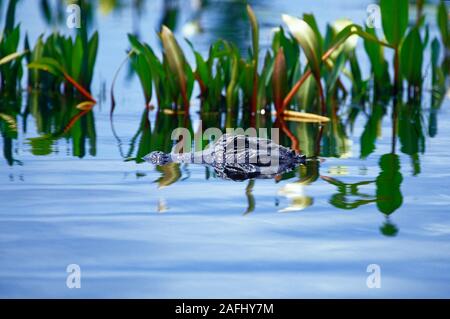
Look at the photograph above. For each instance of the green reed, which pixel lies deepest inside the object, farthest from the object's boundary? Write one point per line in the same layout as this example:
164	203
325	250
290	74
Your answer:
232	83
11	70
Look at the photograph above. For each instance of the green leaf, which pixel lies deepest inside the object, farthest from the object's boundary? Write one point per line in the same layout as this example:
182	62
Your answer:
231	94
411	57
246	80
307	39
349	44
443	23
10	16
307	95
255	32
176	61
290	48
49	65
336	70
135	44
279	79
356	73
265	82
201	66
311	21
394	19
143	70
92	55
75	56
375	51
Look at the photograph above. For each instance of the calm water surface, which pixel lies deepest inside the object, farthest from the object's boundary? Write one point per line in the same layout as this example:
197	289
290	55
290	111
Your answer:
140	231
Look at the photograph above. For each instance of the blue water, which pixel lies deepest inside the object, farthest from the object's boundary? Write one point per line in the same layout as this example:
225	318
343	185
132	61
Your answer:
133	237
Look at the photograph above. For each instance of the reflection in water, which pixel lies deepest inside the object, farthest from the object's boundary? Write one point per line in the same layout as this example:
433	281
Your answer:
162	206
145	140
228	21
295	192
250	197
9	112
388	196
410	132
60	117
56	117
372	130
407	124
170	173
335	142
349	195
307	133
170	14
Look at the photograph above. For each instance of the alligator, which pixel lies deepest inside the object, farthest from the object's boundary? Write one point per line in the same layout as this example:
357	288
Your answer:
237	157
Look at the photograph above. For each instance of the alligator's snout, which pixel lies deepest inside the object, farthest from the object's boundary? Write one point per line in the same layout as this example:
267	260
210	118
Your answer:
157	158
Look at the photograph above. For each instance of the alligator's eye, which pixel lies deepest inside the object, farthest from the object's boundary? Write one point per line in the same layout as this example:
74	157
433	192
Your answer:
154	158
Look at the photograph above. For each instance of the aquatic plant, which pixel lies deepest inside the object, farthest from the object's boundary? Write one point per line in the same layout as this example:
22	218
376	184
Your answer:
10	56
230	82
70	62
173	79
248	87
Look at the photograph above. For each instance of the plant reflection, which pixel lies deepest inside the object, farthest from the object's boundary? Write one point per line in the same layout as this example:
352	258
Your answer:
295	192
349	195
56	117
9	112
388	196
406	121
410	131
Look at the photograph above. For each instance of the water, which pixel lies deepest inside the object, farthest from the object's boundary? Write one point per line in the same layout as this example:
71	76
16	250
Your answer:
140	231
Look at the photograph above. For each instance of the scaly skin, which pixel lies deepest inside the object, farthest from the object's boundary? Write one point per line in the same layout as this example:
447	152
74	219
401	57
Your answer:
237	157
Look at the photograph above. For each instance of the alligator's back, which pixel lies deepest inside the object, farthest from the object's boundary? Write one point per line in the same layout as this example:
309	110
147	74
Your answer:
238	157
241	157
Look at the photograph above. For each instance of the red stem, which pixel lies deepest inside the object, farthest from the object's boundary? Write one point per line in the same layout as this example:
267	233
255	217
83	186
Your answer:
79	88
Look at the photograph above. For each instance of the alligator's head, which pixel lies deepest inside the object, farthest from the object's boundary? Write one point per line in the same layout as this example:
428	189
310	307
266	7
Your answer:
157	158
